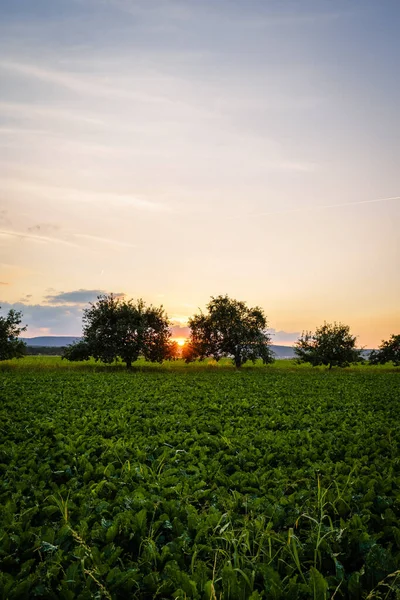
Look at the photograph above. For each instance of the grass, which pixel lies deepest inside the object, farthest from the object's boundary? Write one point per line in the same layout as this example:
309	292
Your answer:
198	481
56	362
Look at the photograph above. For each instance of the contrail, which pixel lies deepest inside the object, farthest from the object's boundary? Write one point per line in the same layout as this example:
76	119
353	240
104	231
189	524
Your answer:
316	207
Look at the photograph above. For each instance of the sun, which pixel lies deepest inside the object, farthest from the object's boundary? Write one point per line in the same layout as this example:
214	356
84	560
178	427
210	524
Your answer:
181	342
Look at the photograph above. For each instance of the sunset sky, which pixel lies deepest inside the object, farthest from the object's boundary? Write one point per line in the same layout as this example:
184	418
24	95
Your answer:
180	149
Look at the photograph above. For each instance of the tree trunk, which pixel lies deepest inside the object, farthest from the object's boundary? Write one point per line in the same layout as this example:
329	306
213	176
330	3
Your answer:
129	364
238	362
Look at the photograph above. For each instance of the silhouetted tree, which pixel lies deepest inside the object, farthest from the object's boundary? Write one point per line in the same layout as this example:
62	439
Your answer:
78	351
188	353
10	330
230	328
114	327
389	351
331	345
174	351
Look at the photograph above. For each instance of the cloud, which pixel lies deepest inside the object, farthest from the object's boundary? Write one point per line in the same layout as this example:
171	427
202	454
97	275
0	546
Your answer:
117	86
44	331
165	12
63	79
54	320
283	337
77	297
179	331
4	220
301	167
291	18
48	138
29	111
96	238
43	228
68	195
36	238
316	207
80	84
4	283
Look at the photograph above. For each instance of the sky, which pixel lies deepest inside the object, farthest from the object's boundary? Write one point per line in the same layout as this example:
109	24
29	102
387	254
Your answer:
174	150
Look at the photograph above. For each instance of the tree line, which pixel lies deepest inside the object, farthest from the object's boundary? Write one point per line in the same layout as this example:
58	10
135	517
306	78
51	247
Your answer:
119	328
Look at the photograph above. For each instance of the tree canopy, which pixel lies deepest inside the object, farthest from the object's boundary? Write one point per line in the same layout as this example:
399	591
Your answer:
229	328
114	327
389	351
331	345
10	330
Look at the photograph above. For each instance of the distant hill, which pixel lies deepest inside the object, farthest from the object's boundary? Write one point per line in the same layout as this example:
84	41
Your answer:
51	341
282	351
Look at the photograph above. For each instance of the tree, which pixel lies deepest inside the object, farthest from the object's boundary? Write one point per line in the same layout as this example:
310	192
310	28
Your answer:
174	351
115	327
10	344
230	328
78	351
331	345
389	351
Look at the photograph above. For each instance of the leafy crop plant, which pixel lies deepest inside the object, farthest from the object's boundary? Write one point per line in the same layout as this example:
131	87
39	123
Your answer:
195	482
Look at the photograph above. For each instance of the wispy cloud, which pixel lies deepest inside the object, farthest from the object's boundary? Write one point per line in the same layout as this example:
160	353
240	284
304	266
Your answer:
311	208
170	11
166	10
26	298
21	130
56	140
30	111
78	195
82	84
290	18
43	228
285	165
4	283
103	240
4	220
120	82
44	239
75	83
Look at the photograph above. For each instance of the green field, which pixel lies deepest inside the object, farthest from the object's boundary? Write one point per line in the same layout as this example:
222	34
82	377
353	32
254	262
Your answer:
198	481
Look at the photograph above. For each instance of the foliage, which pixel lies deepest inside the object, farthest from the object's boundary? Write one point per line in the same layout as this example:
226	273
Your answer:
78	351
229	328
10	330
331	345
188	483
174	351
45	350
389	351
117	328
